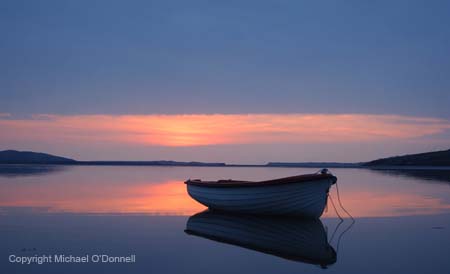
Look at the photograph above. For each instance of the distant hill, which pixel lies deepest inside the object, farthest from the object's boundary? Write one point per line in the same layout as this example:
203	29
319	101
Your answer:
437	158
429	159
145	163
28	157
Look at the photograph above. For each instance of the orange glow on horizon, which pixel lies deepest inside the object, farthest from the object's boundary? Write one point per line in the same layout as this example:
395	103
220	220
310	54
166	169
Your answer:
217	129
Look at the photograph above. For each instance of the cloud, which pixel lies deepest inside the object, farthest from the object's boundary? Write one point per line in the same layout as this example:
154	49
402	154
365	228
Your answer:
218	129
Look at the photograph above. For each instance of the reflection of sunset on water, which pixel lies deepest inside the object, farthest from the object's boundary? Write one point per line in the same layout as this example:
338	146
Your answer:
366	204
168	198
129	192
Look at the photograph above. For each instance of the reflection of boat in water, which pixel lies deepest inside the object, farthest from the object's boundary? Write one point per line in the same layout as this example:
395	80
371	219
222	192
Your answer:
303	240
304	195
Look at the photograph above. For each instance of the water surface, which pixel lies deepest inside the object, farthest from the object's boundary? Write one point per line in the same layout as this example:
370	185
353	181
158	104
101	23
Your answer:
402	222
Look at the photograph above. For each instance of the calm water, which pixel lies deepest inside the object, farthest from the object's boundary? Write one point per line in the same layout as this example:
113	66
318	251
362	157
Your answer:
402	223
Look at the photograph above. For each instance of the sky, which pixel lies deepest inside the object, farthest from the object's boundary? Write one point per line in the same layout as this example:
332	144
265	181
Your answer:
232	81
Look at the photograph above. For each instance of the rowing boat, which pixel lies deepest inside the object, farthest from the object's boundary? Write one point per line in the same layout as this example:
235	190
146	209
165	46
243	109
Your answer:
302	195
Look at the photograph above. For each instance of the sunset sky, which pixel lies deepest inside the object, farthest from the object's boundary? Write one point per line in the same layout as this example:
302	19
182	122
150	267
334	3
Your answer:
228	81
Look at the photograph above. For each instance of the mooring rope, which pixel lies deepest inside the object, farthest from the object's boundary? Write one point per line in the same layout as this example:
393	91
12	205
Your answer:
335	230
335	209
342	234
326	171
341	220
340	203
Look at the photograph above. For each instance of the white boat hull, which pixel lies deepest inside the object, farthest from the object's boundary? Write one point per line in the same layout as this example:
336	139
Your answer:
303	198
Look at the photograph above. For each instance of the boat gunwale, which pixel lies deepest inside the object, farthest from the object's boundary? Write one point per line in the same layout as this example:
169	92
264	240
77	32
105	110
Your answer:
274	182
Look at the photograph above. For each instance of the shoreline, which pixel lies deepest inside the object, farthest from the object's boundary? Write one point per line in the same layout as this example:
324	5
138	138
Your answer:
324	165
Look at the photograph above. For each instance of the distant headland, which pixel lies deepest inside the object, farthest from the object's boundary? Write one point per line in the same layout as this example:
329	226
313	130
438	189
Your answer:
29	157
435	158
428	159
